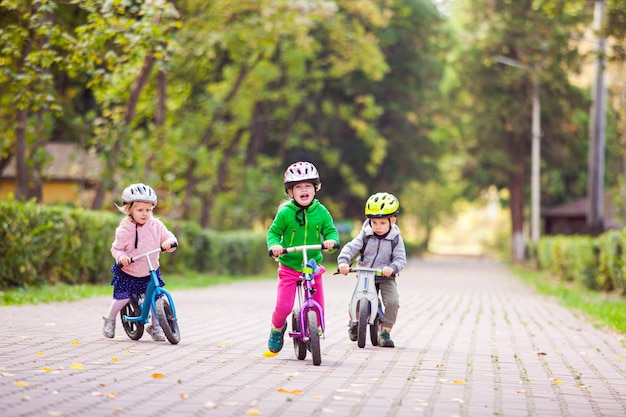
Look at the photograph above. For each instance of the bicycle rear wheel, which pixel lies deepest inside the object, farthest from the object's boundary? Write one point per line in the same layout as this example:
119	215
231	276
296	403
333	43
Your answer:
134	329
168	322
375	331
299	347
364	312
314	337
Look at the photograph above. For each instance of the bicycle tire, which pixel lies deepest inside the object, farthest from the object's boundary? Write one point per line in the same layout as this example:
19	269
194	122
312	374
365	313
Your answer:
133	329
314	337
375	331
299	347
167	320
364	312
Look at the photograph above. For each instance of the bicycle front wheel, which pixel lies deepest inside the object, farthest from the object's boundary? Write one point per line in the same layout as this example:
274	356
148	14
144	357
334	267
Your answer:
364	312
168	322
314	337
134	329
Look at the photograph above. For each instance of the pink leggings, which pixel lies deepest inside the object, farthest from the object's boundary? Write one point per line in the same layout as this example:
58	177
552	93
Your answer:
286	293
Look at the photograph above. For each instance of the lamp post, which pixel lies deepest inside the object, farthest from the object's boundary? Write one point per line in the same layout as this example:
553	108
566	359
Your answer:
535	144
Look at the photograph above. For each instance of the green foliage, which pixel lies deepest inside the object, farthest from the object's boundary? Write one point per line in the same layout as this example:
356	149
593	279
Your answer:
597	263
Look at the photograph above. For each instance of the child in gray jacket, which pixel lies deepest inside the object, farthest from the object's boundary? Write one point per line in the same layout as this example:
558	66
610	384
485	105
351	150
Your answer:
380	246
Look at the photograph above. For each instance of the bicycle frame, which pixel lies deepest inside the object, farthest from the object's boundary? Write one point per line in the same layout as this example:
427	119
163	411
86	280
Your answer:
366	289
305	292
306	302
153	292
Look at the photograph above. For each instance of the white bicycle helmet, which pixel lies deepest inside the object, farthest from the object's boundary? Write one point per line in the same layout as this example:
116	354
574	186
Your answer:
139	192
302	172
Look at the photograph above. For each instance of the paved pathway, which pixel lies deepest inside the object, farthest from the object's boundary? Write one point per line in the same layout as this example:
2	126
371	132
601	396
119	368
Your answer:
471	341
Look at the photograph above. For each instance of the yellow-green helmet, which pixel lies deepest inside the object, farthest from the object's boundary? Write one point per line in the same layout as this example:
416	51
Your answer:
381	205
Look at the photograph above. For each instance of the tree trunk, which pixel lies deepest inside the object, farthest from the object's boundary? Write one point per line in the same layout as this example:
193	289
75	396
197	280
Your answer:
517	175
20	156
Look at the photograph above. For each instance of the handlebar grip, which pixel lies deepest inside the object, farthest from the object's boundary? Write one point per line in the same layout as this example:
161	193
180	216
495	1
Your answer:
174	244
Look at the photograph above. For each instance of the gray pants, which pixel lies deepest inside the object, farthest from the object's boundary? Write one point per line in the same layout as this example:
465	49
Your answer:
391	300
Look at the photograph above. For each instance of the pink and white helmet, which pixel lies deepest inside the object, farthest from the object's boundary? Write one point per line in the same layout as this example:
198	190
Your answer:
302	172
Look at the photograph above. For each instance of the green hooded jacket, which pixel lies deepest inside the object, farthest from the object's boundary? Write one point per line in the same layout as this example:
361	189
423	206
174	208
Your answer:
295	226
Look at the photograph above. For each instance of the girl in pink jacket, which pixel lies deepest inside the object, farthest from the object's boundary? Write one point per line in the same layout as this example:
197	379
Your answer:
137	233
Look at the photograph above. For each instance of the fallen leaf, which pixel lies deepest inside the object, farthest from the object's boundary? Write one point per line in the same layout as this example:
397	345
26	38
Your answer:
253	403
76	342
210	404
337	398
327	410
39	353
438	365
26	398
269	354
318	396
521	391
21	383
460	382
558	352
253	412
620	357
115	359
77	366
357	385
97	394
230	404
556	381
55	413
223	344
294	392
111	394
183	395
128	351
117	410
46	369
540	353
457	400
157	375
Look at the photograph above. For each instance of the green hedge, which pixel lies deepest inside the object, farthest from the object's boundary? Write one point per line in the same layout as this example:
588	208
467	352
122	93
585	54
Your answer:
47	244
598	263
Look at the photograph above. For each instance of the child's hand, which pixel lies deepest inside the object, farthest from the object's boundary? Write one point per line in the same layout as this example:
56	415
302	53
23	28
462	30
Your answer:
387	271
329	244
344	268
124	260
167	245
276	250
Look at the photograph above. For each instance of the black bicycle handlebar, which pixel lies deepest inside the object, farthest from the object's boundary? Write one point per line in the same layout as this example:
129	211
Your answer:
318	246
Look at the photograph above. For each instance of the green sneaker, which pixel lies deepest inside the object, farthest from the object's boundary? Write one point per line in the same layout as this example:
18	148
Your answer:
275	342
385	340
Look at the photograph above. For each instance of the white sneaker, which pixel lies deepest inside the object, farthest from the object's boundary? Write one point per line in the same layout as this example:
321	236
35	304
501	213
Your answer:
156	332
109	328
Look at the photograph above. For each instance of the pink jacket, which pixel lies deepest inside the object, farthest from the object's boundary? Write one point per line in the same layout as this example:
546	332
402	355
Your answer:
150	236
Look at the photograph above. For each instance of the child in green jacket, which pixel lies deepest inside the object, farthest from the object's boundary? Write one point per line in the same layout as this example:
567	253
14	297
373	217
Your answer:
302	220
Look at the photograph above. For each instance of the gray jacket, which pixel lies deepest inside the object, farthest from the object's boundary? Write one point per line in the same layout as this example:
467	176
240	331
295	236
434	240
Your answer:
379	252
